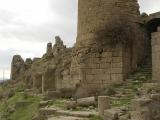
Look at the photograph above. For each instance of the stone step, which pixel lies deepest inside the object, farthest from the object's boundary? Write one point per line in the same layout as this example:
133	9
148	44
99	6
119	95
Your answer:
83	114
116	114
47	111
146	66
66	118
122	89
129	79
53	111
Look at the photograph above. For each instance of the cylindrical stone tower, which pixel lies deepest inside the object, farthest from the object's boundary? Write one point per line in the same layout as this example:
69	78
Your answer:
97	64
95	15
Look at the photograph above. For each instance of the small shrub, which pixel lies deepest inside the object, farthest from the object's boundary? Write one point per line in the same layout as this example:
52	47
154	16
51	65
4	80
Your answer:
111	91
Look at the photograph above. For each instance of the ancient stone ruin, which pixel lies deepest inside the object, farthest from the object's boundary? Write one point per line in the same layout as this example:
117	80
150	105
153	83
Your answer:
113	40
110	45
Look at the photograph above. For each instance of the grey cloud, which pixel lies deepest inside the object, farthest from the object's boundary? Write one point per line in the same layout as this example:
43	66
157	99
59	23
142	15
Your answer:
149	6
65	26
5	58
65	8
43	32
6	17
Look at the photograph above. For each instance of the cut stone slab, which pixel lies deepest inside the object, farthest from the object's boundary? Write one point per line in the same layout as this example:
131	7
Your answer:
67	118
53	111
83	114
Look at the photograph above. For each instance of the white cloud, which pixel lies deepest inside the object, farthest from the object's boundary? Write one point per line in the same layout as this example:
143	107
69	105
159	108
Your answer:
149	6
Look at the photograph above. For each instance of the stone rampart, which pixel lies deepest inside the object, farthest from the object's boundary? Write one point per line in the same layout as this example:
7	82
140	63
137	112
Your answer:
156	55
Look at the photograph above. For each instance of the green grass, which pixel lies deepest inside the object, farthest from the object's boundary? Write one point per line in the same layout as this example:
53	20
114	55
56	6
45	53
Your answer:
5	104
126	101
28	111
95	118
58	103
24	113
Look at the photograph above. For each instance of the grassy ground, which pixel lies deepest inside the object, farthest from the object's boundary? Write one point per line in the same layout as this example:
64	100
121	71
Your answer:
25	112
95	118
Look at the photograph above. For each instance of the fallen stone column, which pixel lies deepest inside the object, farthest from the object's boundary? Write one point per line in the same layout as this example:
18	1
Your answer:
89	101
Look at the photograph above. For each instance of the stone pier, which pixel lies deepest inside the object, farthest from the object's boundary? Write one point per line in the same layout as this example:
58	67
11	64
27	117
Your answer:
103	104
156	55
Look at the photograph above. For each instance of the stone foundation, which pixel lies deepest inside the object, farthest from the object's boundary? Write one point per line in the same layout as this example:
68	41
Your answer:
98	70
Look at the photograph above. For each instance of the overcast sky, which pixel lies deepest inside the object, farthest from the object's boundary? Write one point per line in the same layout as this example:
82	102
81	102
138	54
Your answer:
26	26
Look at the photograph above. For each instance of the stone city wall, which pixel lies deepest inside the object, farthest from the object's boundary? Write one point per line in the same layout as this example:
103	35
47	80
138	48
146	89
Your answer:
156	55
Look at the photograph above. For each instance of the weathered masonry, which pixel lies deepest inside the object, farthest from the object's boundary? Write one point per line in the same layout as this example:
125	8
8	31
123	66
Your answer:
156	55
110	42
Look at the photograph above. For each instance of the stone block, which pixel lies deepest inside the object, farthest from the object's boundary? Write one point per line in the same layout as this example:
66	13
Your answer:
52	95
116	77
43	103
47	111
139	103
117	54
108	60
111	114
95	60
116	59
93	66
116	70
117	65
103	104
105	65
141	109
156	55
70	104
105	77
94	81
37	81
106	54
155	97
